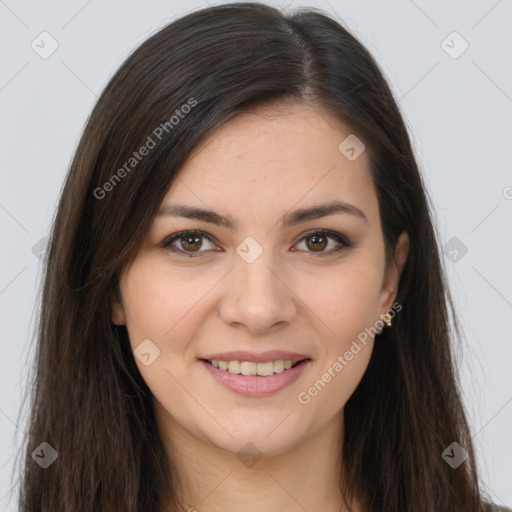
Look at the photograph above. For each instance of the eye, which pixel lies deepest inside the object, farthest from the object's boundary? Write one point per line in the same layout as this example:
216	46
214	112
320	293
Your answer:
192	241
318	241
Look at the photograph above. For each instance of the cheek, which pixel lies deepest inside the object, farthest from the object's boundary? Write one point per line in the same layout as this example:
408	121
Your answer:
158	304
346	301
346	305
161	306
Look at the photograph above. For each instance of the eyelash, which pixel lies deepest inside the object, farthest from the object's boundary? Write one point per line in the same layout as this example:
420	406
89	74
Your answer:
344	242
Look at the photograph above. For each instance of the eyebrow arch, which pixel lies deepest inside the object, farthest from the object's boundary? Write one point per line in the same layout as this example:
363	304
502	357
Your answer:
290	219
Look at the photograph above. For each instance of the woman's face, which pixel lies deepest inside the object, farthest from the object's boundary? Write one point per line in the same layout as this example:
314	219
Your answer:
270	286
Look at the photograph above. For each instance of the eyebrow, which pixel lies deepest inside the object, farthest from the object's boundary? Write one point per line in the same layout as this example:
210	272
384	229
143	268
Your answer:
290	219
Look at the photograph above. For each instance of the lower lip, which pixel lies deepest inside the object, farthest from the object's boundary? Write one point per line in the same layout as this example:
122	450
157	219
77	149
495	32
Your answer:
255	385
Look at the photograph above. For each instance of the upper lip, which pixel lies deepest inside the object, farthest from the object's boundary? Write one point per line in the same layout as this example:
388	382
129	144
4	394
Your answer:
243	355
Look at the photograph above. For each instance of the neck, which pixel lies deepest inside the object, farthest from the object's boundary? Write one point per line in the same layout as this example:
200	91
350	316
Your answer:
215	480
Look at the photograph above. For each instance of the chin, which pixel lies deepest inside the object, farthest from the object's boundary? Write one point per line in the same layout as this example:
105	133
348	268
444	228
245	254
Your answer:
249	448
253	439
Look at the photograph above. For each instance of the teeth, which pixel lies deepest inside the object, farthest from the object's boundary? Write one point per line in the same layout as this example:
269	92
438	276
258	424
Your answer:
278	366
234	367
265	369
249	368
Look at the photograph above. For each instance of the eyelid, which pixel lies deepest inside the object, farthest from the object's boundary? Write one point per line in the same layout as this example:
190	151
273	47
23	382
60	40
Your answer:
342	240
168	241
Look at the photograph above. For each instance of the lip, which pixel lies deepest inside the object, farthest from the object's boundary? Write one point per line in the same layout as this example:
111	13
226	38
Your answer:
255	385
251	357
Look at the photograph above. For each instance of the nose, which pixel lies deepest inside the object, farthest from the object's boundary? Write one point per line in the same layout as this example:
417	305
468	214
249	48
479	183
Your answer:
258	295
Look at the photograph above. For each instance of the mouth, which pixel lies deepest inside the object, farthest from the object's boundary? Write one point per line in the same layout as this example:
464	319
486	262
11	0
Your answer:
253	379
249	368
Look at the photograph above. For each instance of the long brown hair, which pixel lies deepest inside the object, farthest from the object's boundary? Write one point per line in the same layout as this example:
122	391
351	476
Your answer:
89	402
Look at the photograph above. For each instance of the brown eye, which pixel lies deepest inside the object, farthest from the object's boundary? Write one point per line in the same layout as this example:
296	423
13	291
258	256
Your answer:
190	243
316	242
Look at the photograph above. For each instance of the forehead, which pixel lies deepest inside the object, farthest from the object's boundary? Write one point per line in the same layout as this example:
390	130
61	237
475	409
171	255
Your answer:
275	157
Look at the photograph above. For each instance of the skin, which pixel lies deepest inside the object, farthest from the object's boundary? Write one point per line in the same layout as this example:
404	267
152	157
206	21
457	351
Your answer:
257	167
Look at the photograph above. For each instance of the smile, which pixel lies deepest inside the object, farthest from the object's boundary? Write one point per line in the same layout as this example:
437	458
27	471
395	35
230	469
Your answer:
263	369
251	379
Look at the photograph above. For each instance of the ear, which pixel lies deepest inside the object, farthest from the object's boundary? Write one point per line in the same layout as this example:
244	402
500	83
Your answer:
118	316
390	282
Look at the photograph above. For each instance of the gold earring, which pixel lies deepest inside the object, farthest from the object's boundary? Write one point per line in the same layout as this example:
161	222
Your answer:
387	318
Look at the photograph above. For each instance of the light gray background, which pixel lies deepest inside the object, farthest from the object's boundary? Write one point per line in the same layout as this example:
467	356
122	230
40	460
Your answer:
459	112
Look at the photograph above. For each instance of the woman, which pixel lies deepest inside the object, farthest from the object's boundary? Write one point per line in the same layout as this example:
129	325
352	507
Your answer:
244	303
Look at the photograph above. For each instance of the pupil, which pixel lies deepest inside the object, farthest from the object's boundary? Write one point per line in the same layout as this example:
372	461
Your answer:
188	239
315	243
